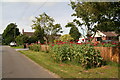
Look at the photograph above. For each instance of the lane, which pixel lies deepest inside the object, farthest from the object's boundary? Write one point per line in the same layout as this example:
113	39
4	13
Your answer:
16	65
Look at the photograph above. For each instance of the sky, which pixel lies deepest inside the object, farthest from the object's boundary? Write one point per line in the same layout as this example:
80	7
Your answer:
22	12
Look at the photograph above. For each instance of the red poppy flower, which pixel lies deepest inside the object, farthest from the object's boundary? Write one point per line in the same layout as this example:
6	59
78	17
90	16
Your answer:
82	39
78	43
102	43
77	40
71	42
113	43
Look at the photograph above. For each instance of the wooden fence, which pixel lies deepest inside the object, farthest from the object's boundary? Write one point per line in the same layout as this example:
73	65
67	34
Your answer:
109	53
44	48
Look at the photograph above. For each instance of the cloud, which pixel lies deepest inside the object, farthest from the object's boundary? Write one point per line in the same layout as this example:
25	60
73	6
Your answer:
35	0
31	18
59	0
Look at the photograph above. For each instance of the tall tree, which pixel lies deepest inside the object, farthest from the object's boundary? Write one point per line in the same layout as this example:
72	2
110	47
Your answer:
21	39
44	24
74	32
10	33
103	16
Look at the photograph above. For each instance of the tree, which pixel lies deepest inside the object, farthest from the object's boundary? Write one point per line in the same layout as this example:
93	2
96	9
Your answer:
39	33
103	16
32	39
44	25
10	33
21	39
66	38
74	32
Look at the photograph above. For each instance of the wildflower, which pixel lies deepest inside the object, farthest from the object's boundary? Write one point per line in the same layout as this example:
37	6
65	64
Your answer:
82	39
57	41
63	42
60	41
52	44
71	42
86	38
113	43
77	40
95	44
103	43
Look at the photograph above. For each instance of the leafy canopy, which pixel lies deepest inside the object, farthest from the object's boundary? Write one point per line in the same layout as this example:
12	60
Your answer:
103	16
44	27
65	38
21	39
74	32
10	33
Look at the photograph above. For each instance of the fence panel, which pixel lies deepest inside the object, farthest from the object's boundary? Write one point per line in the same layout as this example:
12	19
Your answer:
109	53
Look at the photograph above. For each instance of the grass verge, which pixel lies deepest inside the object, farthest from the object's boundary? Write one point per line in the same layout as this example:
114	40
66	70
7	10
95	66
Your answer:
71	70
17	47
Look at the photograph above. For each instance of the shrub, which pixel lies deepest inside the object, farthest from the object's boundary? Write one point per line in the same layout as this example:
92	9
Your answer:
66	38
21	39
32	39
90	58
85	55
61	52
35	47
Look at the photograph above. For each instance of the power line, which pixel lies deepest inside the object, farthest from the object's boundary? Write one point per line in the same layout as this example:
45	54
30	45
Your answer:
25	10
40	7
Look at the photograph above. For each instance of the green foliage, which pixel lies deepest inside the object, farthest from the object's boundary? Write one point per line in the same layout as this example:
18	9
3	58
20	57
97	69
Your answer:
44	27
21	39
108	45
105	44
74	32
39	33
10	33
90	58
86	56
112	63
104	14
62	52
71	70
65	38
32	39
35	47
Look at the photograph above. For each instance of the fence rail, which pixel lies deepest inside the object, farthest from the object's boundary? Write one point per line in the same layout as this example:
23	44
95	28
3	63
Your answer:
109	53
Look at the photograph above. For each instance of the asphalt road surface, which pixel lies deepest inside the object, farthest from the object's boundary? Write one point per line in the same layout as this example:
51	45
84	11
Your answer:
16	65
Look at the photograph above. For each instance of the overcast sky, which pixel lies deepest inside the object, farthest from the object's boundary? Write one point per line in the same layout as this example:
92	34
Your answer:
22	12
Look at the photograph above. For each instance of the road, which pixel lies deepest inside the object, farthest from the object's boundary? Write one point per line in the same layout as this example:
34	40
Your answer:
16	65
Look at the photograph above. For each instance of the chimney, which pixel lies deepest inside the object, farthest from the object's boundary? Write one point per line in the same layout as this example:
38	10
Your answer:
22	31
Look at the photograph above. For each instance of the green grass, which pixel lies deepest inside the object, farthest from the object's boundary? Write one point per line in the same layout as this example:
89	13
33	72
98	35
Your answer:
71	70
17	47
